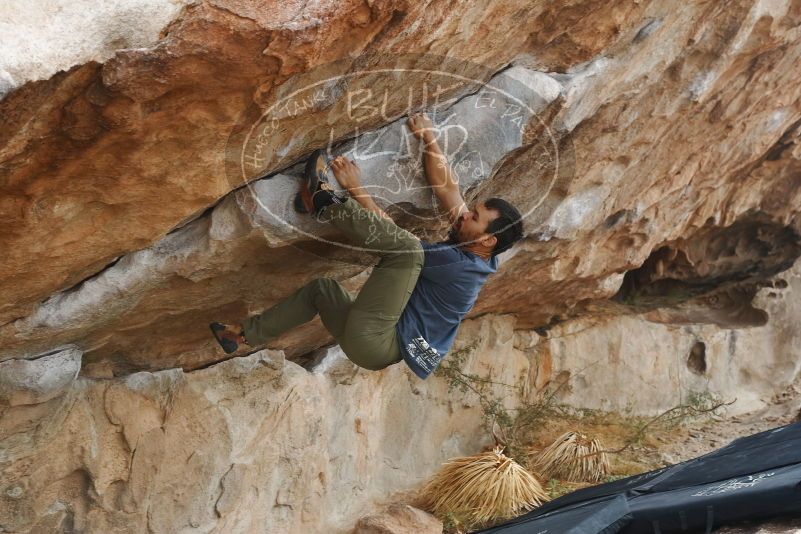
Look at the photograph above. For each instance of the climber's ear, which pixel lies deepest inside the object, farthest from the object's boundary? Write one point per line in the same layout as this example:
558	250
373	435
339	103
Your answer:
489	241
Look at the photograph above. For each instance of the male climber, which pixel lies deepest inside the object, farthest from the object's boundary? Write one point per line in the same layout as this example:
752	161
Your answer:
412	303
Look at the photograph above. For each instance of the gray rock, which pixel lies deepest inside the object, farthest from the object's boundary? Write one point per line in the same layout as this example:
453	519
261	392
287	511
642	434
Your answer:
38	380
6	83
399	519
476	133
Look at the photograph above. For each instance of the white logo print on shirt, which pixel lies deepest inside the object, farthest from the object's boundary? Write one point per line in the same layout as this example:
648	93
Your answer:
424	354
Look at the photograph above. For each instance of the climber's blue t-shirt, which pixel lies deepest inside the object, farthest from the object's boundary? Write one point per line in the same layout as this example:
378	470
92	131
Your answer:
446	290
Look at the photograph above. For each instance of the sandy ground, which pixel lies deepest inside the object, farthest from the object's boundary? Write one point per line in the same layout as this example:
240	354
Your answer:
662	443
701	437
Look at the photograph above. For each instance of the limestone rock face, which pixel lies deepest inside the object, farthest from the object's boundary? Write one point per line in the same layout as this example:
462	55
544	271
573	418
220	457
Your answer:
232	245
149	155
140	139
628	363
61	34
399	519
253	444
147	228
39	380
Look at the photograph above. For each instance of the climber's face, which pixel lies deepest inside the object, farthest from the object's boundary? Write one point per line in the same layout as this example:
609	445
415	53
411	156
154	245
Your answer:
471	226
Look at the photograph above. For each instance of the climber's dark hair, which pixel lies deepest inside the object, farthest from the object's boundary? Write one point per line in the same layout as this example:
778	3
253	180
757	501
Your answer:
507	227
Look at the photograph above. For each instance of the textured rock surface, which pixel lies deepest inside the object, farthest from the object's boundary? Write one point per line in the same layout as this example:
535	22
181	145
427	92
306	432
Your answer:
656	146
633	365
785	526
630	364
60	34
141	142
193	269
399	519
253	444
39	380
780	526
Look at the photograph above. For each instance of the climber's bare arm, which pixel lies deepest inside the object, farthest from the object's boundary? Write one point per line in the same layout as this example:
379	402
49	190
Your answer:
349	177
439	173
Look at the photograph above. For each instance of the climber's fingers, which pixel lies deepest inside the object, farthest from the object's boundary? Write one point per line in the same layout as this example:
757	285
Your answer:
341	161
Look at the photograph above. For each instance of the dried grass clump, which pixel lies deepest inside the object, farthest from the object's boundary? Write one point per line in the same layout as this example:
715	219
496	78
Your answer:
573	457
481	488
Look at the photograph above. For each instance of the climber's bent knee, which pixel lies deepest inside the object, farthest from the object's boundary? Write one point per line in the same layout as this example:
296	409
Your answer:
323	284
372	351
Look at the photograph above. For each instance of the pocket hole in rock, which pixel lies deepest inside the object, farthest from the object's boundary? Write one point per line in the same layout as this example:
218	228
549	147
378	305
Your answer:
696	361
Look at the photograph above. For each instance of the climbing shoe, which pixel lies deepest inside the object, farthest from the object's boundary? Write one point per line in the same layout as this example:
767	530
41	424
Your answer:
315	192
227	336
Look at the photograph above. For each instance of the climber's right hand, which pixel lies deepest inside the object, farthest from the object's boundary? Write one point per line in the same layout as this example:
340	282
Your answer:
421	127
347	173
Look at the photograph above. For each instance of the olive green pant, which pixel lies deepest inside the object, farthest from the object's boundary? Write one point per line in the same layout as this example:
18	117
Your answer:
364	327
